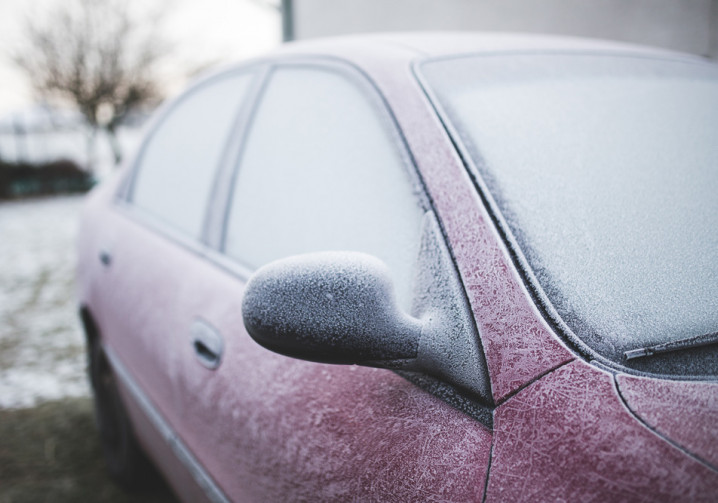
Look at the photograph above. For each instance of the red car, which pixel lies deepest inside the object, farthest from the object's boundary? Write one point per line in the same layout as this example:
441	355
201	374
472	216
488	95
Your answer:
509	242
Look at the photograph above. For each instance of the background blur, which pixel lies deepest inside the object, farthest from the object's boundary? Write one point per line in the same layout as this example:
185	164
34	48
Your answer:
683	25
57	140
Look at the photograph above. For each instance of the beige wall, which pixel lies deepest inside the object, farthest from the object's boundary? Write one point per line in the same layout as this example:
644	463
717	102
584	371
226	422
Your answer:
684	25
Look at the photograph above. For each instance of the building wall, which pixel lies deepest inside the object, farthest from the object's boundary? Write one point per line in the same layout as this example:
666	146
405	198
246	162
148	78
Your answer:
684	25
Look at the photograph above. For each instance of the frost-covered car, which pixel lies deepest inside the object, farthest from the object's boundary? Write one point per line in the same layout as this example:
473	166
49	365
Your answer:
510	243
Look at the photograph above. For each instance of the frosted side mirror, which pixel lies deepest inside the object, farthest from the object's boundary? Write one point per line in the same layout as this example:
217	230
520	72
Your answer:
331	307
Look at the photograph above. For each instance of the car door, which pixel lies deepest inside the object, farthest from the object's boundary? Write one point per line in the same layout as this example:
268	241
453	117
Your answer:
323	167
153	238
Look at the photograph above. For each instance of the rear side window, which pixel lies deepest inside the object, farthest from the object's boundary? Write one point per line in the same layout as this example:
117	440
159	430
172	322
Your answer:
178	163
324	169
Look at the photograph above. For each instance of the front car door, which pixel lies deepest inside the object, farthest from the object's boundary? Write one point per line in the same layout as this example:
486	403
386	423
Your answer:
323	167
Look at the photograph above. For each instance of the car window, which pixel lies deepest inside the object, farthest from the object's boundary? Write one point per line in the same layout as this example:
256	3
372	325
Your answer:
178	163
606	170
324	169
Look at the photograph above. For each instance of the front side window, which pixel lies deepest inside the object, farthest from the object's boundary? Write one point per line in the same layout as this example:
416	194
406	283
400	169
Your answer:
178	163
324	169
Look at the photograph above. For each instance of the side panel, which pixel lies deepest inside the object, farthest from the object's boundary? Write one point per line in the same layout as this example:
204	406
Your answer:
686	412
568	437
138	301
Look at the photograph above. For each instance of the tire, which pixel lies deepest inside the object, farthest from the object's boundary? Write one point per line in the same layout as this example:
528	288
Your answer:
126	463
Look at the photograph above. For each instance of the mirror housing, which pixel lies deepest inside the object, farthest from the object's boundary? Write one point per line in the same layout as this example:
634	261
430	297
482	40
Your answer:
331	307
339	307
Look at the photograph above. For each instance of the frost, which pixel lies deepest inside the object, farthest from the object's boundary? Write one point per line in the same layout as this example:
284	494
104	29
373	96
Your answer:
569	437
606	175
186	148
42	353
340	307
339	181
449	347
684	411
335	307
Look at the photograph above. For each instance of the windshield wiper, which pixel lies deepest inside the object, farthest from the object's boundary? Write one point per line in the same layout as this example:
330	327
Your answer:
691	342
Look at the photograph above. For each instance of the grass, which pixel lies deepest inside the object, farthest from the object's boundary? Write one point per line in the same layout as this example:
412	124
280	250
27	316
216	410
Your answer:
51	453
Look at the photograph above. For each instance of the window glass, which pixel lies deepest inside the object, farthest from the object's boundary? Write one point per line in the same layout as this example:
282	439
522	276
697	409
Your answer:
606	171
324	169
178	163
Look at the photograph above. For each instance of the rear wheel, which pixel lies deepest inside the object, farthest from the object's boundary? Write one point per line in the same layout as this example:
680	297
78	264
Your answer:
126	463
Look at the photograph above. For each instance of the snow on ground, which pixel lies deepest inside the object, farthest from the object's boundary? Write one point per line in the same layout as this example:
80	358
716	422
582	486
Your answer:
41	344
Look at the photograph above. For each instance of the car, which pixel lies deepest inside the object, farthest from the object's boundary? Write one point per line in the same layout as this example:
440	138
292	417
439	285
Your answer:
416	267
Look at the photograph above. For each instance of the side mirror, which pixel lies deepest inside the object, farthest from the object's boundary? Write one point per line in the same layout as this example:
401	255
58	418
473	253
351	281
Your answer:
331	307
339	307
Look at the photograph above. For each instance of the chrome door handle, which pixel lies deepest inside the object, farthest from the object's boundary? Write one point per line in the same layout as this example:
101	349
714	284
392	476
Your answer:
207	343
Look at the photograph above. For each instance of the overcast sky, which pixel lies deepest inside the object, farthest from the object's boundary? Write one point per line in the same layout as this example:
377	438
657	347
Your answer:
202	31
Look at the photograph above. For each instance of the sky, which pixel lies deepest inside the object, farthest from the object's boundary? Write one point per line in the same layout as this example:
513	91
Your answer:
200	31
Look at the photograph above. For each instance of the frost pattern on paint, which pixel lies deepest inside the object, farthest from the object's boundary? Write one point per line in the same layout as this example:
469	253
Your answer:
518	344
278	420
321	437
568	437
685	412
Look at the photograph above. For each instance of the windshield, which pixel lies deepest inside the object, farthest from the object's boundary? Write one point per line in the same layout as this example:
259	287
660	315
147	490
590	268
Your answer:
605	170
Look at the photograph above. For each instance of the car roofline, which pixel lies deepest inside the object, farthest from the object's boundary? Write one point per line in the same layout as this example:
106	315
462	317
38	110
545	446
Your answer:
407	48
441	44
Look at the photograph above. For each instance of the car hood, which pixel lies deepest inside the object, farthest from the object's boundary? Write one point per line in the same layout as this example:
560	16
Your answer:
685	412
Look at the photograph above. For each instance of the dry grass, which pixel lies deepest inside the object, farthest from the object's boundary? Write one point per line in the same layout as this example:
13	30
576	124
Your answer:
51	453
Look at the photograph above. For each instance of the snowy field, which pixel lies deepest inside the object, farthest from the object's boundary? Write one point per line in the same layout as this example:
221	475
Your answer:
41	344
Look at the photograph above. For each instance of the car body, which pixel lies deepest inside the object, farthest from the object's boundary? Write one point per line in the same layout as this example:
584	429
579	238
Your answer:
474	380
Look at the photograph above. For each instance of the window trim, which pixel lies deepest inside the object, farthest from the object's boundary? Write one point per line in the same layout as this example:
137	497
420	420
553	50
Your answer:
220	195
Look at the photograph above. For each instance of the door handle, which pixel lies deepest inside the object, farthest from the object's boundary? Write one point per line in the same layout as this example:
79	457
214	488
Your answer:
105	257
207	343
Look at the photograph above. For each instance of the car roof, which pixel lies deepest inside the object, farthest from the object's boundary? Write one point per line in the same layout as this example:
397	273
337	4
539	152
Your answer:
391	53
427	45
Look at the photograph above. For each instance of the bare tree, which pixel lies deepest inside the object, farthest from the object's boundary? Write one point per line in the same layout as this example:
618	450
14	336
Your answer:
96	55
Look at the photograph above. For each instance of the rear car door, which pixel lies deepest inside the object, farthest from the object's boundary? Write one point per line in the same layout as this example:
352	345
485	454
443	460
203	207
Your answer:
154	237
